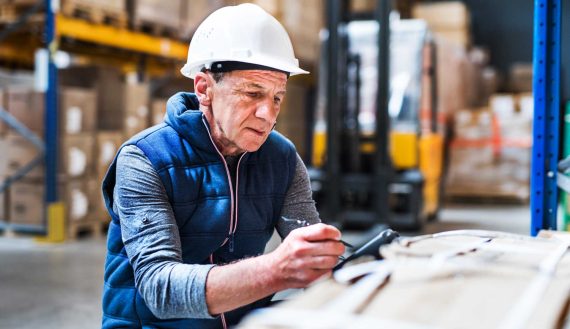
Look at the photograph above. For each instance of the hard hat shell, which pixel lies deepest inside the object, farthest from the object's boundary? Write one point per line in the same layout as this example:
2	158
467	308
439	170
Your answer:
244	33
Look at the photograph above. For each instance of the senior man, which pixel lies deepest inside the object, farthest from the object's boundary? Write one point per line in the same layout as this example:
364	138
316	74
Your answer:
194	200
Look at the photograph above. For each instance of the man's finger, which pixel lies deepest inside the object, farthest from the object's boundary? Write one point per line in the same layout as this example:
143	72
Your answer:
325	248
319	232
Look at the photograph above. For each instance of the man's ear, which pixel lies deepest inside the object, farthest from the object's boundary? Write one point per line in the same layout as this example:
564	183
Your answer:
202	88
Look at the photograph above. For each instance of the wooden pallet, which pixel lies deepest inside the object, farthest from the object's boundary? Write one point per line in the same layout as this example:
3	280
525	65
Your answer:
92	228
474	198
156	29
94	14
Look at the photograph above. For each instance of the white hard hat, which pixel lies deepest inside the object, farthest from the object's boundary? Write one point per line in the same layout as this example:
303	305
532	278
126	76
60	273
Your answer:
243	34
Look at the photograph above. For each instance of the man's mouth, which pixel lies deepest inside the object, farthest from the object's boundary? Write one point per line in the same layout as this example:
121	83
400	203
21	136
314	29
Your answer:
258	132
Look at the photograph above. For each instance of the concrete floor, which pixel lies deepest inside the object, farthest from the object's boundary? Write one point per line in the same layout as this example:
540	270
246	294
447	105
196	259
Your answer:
59	286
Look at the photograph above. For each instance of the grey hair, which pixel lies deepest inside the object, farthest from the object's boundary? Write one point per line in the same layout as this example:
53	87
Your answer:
217	76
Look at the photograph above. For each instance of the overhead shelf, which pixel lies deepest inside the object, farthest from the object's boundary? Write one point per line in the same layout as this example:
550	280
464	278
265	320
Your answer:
120	38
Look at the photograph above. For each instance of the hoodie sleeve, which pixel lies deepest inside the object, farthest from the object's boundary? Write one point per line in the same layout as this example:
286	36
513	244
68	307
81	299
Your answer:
299	203
170	288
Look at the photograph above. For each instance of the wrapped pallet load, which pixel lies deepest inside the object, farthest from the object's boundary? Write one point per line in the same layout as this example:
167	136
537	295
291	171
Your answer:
491	150
457	279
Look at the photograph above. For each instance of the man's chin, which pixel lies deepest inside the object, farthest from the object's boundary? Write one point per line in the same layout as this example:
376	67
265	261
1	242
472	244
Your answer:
252	147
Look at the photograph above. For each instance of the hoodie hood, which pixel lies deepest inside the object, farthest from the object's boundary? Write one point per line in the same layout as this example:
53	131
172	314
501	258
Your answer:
183	115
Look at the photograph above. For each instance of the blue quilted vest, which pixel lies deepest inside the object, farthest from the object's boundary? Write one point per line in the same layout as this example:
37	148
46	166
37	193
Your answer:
196	180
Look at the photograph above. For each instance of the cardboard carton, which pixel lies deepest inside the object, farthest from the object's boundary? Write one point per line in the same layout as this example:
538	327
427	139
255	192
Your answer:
27	106
292	120
76	155
26	203
159	13
438	281
158	110
135	103
107	145
3	127
194	12
450	15
107	83
77	110
19	152
3	203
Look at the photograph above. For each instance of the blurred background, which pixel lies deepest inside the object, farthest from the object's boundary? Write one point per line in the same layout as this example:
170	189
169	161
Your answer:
417	115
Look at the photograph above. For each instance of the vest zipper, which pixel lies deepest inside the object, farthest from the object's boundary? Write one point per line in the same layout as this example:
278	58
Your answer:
233	201
232	243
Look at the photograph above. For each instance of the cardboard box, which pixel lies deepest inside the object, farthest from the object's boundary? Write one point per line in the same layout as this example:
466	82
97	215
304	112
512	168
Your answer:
443	15
194	12
158	111
437	281
3	203
473	124
107	84
3	127
490	154
3	159
520	77
106	6
27	202
77	110
76	154
362	5
292	120
449	80
304	20
158	12
79	203
135	102
107	145
18	153
99	211
27	106
459	37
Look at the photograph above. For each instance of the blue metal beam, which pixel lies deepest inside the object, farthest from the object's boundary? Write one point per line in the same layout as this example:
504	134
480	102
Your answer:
51	135
546	88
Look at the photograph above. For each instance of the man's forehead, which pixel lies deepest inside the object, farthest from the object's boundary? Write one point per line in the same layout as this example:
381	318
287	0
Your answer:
259	78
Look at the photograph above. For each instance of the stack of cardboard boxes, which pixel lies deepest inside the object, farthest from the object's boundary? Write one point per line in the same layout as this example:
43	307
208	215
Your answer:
76	128
302	19
98	110
449	21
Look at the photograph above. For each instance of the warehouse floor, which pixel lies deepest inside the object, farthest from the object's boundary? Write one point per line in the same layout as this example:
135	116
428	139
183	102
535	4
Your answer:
59	286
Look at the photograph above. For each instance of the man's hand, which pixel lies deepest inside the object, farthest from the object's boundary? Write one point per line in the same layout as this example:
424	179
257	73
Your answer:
305	255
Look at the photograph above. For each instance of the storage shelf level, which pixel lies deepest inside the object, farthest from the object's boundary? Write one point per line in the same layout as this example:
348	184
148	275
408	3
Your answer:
120	38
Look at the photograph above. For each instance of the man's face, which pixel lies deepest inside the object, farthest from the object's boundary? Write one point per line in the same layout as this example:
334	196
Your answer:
245	105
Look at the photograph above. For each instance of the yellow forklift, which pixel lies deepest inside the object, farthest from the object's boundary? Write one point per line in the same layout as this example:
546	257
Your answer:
377	150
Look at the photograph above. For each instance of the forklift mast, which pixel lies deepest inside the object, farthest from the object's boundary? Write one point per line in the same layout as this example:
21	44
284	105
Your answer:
374	161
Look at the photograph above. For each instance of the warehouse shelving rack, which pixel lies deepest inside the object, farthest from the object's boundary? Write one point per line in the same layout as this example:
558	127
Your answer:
57	27
546	132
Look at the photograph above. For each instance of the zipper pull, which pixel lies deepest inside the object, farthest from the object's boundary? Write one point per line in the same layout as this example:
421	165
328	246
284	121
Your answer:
232	242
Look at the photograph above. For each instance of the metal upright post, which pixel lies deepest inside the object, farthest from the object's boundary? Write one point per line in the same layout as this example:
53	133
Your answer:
546	86
54	210
333	113
382	168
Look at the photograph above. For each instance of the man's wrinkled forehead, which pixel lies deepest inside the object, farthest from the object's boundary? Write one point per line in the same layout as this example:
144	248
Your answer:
258	79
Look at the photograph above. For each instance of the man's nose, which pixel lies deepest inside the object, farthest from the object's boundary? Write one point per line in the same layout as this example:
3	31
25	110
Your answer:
267	111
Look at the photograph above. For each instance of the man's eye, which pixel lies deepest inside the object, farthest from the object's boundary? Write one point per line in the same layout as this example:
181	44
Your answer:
253	94
277	100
